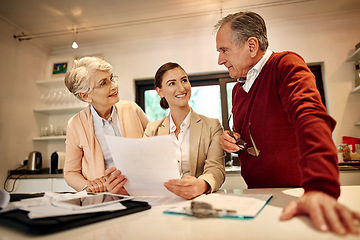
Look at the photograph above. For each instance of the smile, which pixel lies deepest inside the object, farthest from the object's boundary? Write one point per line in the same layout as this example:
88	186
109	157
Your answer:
114	94
181	95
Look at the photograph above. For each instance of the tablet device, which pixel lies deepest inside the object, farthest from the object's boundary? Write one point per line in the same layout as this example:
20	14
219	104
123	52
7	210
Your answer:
91	201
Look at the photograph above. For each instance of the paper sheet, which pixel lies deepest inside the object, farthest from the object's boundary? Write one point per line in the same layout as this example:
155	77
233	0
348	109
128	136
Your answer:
147	163
162	201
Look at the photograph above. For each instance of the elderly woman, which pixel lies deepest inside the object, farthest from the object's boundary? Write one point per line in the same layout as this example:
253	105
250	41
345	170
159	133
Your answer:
88	162
196	138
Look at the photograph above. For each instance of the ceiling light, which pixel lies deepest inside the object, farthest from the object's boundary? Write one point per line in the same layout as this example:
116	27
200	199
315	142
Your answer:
75	45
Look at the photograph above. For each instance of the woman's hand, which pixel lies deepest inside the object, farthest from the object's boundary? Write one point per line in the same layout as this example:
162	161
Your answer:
188	187
96	185
114	181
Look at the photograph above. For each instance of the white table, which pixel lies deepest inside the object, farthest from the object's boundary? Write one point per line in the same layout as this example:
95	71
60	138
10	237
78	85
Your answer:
154	224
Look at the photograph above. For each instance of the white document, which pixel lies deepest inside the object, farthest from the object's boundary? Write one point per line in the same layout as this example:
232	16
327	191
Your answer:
147	163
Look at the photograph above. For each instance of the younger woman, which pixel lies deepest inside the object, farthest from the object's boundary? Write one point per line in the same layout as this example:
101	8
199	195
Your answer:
196	138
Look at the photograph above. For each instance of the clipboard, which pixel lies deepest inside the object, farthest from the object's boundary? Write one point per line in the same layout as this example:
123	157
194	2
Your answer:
19	221
236	206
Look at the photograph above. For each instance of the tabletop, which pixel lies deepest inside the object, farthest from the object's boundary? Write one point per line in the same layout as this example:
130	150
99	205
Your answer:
154	224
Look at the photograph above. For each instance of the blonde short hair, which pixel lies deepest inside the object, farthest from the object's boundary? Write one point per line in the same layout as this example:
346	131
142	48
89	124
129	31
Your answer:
77	80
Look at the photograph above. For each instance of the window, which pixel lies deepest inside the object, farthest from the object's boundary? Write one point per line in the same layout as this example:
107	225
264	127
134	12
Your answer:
210	96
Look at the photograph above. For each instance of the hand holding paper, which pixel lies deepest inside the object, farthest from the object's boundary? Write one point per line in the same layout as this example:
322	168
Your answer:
147	163
187	187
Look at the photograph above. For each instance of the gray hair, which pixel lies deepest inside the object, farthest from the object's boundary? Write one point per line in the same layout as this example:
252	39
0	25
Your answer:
245	25
77	80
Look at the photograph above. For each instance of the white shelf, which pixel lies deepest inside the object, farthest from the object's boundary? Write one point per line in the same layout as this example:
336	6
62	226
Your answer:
355	56
52	83
49	138
356	90
61	109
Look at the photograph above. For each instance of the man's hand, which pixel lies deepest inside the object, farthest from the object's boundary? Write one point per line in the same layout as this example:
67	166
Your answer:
325	213
188	187
114	181
228	143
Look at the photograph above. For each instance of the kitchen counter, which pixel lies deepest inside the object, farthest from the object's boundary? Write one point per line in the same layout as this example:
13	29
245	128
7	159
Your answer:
237	169
36	176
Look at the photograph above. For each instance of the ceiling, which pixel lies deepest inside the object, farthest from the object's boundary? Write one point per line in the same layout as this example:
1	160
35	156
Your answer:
51	22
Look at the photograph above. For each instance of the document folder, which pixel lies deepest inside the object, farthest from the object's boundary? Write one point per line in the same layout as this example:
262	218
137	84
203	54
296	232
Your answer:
19	221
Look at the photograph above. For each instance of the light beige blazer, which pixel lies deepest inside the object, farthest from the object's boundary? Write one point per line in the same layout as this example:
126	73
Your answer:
207	158
84	159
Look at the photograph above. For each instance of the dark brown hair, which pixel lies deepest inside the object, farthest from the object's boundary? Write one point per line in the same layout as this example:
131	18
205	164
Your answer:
159	77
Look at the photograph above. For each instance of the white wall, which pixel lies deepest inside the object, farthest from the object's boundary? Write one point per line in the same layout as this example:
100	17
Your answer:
328	39
21	64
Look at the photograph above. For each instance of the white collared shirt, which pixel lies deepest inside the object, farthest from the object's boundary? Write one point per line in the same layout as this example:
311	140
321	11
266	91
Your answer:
182	144
254	72
108	127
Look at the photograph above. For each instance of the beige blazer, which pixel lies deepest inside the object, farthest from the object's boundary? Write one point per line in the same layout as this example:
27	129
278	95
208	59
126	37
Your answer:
84	159
207	158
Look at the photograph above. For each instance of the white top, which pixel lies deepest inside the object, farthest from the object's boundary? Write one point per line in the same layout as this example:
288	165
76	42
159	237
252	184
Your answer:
109	127
181	144
255	71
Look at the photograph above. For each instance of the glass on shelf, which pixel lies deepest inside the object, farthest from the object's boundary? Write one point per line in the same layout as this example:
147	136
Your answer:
51	130
58	97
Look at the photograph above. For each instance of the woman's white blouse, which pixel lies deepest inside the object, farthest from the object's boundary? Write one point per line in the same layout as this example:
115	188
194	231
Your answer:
181	144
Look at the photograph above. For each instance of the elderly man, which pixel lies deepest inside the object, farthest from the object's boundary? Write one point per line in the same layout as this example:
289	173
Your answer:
285	128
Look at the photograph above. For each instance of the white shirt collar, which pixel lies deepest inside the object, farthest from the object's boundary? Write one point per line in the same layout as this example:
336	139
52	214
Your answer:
185	123
254	72
99	120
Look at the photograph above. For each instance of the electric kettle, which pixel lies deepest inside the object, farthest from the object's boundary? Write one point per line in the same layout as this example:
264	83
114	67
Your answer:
34	162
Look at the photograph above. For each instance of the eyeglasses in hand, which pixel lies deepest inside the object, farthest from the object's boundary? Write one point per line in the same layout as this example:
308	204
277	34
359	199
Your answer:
253	151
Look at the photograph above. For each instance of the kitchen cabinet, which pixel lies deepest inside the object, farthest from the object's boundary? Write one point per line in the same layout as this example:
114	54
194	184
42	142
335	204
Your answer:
348	178
41	184
56	106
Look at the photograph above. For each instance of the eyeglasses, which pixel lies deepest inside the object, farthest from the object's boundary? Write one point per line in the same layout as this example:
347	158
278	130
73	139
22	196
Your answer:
108	82
253	151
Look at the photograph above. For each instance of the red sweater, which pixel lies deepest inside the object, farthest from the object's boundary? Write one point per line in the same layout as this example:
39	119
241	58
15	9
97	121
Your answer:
290	127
